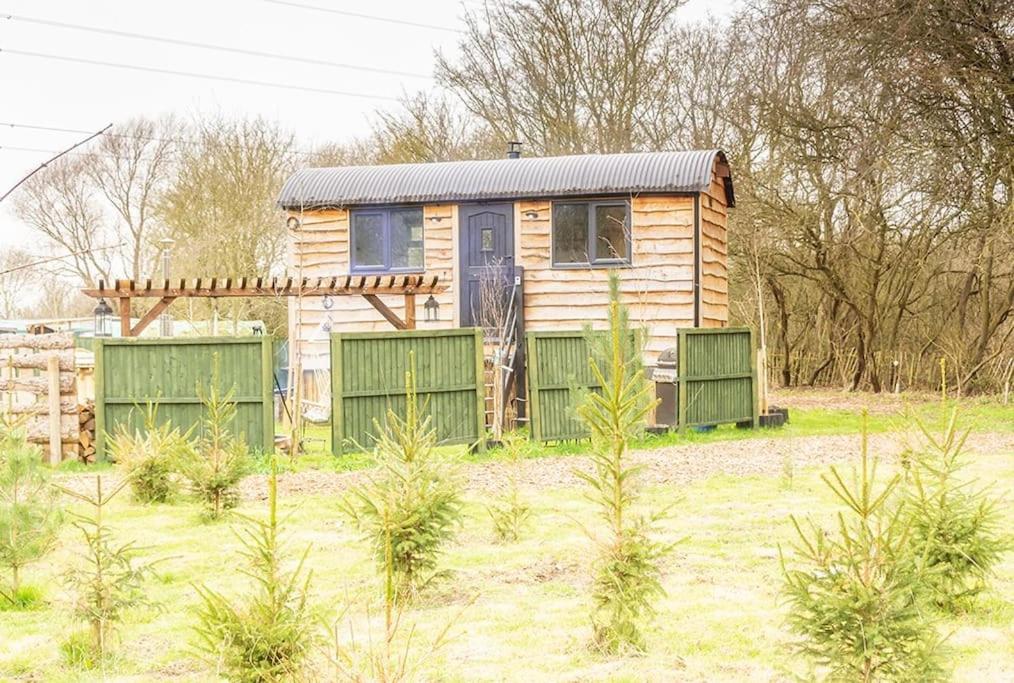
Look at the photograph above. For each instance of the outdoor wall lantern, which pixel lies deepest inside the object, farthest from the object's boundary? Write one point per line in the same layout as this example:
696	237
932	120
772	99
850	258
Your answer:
432	309
102	313
293	224
531	215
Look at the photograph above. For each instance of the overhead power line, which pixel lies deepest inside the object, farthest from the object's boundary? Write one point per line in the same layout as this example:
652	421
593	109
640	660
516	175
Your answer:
209	46
124	136
370	17
49	161
192	74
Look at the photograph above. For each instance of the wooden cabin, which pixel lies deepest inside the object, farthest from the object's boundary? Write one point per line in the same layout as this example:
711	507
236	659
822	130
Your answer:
558	224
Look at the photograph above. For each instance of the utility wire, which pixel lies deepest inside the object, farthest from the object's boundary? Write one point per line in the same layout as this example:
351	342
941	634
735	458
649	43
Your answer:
209	46
60	258
370	17
51	160
56	129
192	74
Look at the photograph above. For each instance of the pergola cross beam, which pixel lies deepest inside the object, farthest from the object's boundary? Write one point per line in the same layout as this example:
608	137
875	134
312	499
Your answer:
370	287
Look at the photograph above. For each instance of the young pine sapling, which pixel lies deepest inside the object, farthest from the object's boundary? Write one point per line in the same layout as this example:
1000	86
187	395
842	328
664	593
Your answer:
510	513
269	634
220	459
30	516
109	581
627	580
856	597
958	528
150	456
413	503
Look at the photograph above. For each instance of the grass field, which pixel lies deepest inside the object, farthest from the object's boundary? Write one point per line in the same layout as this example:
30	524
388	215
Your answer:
722	618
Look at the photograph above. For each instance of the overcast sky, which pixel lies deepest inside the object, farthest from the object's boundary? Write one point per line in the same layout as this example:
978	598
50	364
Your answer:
42	91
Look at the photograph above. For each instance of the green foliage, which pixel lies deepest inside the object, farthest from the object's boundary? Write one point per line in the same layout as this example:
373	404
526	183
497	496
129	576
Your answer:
23	599
957	528
78	651
108	582
269	634
412	507
857	598
30	516
150	456
627	579
510	513
220	459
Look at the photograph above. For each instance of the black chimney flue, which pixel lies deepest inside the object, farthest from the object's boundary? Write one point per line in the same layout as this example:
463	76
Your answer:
513	149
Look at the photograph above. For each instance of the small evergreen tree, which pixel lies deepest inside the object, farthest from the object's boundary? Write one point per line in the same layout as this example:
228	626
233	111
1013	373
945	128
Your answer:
30	516
510	513
268	635
108	581
857	598
414	500
220	459
150	456
627	580
957	528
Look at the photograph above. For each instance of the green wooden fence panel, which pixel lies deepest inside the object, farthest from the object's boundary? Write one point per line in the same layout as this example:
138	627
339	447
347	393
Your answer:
130	372
717	376
557	364
368	378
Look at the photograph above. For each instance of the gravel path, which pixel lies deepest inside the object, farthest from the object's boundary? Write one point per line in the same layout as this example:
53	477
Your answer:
669	465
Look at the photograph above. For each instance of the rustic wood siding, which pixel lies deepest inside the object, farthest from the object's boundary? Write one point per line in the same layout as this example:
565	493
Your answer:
714	256
322	245
657	286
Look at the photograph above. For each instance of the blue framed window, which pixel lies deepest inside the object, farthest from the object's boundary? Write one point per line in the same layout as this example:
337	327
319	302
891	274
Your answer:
591	233
387	240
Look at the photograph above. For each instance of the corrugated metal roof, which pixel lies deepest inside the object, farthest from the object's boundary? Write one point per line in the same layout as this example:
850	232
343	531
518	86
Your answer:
588	174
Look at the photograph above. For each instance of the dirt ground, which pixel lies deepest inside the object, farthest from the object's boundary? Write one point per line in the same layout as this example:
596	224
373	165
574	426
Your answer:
672	464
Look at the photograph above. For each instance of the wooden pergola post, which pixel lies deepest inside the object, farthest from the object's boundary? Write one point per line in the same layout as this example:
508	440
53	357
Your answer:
124	316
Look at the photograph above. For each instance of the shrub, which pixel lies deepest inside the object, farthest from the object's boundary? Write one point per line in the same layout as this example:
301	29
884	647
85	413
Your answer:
268	635
626	574
30	516
150	457
414	500
78	651
510	513
956	527
108	582
219	461
857	598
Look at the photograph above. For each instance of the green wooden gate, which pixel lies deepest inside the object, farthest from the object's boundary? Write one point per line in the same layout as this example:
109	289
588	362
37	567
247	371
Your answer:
368	378
557	364
716	376
131	372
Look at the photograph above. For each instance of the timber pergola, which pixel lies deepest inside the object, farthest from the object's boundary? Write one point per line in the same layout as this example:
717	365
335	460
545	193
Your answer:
370	287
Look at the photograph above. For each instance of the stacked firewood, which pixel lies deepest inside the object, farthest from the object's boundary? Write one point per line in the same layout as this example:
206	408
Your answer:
86	434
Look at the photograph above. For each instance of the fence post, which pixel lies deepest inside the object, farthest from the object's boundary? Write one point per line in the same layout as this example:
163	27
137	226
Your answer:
755	368
532	360
337	401
681	369
100	400
55	439
268	393
480	391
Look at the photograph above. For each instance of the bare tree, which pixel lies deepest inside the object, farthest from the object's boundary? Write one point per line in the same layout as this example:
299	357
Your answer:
60	204
15	283
129	169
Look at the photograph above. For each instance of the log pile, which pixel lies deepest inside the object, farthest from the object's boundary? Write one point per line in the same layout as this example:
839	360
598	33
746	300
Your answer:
86	435
38	380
